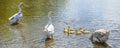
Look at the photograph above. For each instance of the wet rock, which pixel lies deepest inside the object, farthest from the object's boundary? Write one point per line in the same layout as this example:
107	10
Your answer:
100	35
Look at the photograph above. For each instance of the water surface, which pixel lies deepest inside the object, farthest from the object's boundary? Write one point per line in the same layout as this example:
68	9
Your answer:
89	14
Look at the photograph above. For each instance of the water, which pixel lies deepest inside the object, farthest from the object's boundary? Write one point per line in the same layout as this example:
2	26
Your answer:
90	14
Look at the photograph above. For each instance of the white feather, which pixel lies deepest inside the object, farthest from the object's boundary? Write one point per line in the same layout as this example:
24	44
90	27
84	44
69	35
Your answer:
49	29
15	17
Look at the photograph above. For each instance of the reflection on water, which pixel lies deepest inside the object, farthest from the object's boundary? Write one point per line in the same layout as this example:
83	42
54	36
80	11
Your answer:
101	45
49	43
6	34
90	14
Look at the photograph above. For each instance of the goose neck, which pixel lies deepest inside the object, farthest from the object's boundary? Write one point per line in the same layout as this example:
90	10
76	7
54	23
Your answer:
50	20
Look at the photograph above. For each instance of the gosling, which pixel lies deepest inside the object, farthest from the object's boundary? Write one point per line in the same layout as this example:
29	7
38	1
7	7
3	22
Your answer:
78	32
70	30
65	30
84	30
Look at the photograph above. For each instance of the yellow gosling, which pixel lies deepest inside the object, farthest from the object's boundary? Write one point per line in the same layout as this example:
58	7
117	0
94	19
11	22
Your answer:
78	32
84	30
70	30
81	29
65	30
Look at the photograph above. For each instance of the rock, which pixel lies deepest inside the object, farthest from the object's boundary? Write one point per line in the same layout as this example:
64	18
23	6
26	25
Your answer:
100	35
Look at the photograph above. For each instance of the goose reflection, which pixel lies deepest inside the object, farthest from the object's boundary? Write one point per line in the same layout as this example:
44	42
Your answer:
49	43
101	45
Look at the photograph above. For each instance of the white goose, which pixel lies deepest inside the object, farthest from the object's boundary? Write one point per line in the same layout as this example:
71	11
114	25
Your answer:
49	28
16	17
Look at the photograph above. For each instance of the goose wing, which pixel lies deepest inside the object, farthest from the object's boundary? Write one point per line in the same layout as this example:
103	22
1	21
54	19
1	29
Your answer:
45	29
15	17
49	28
